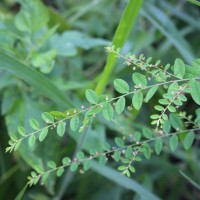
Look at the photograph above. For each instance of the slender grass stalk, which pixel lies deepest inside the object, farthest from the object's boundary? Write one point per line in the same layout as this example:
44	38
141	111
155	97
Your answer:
195	2
123	30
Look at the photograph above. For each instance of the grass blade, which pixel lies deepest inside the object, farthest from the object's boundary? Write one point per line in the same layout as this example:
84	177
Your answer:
123	30
21	194
190	180
163	23
195	2
123	181
34	78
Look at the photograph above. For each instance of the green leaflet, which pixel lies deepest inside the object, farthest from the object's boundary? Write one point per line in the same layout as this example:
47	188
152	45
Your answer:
60	171
51	164
150	93
120	105
137	136
43	134
66	161
147	133
102	160
195	91
73	167
87	165
80	155
108	112
74	123
34	124
129	153
61	129
117	156
158	146
47	117
58	115
176	122
137	100
147	151
121	168
21	130
189	138
106	146
166	127
192	72
31	140
121	86
119	142
139	79
179	68
91	96
173	142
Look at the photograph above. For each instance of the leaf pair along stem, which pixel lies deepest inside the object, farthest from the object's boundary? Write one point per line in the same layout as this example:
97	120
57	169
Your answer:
80	161
95	106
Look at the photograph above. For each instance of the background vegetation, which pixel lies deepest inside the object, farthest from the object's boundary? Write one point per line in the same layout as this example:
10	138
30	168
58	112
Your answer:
61	45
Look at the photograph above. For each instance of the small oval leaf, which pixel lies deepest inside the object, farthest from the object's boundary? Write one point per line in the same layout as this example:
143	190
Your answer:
173	142
189	139
60	172
31	140
21	130
139	79
43	134
119	142
108	112
74	123
158	146
120	105
179	68
121	86
34	124
47	117
91	96
61	129
150	93
195	91
137	100
73	167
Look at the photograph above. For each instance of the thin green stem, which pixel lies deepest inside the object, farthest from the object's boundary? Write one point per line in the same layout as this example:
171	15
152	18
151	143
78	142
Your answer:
115	149
140	62
101	104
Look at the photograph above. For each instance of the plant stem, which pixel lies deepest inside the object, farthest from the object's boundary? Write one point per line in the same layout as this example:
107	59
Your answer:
123	30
